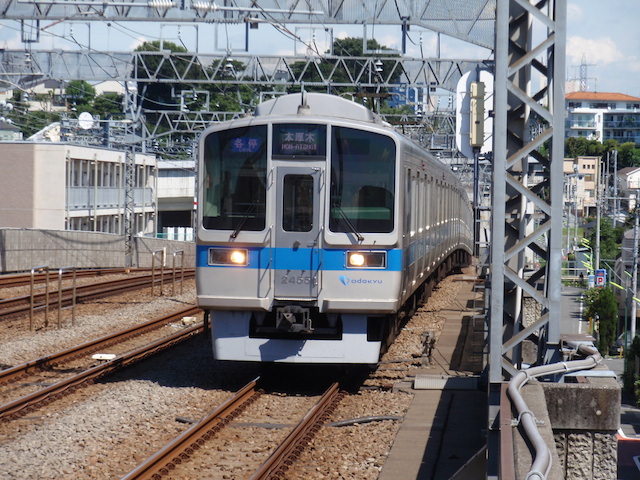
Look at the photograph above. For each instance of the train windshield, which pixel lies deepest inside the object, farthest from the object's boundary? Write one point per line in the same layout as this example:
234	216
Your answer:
362	181
235	176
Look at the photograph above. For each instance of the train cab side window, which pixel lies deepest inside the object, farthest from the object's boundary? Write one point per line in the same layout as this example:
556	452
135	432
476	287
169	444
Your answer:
362	181
235	178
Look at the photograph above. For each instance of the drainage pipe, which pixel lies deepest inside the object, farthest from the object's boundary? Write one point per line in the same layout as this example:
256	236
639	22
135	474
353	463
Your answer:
542	459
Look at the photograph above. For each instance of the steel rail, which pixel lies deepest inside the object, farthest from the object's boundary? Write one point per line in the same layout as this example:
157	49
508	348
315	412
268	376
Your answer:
180	448
42	397
22	279
14	306
278	463
17	372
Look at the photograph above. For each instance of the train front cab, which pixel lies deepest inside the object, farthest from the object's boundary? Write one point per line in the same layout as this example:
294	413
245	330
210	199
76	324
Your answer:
319	267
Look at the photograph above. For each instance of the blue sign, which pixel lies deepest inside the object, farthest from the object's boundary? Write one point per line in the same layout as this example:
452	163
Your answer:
245	145
601	277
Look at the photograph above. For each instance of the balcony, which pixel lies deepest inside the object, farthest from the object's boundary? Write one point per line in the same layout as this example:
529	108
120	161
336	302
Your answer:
82	198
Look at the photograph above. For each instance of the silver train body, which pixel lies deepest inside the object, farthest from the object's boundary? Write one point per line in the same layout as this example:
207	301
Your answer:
319	226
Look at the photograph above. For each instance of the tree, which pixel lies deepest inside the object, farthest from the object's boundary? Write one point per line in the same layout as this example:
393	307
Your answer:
28	121
80	94
601	305
628	155
610	238
108	105
340	72
155	94
581	147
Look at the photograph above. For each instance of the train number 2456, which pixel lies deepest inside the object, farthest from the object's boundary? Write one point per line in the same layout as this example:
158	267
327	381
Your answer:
296	280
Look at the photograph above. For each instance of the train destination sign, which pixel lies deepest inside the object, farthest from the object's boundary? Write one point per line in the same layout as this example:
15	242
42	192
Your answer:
299	140
245	145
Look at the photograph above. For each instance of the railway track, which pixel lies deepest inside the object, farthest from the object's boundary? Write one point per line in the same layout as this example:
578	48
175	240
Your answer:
30	402
42	301
22	279
164	462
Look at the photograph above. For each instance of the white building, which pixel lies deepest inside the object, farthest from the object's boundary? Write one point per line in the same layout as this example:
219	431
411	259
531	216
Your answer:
629	185
58	186
582	177
176	194
50	95
603	116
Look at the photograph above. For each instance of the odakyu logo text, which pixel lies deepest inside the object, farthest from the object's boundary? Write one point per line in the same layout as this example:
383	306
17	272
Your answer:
350	281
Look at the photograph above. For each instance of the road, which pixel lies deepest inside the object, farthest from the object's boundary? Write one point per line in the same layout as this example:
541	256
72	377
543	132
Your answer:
629	433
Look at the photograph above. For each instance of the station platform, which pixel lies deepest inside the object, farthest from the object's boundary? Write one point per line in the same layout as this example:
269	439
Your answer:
444	431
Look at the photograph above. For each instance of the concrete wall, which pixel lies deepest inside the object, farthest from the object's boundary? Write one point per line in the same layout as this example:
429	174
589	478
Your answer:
23	249
585	418
32	185
581	420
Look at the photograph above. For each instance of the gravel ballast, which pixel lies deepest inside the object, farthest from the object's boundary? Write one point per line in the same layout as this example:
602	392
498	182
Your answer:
110	427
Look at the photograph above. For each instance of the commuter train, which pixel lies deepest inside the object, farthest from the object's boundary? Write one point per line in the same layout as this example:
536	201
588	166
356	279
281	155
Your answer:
319	229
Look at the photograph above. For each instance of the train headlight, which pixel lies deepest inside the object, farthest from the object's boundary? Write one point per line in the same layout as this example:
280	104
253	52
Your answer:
238	257
366	259
226	256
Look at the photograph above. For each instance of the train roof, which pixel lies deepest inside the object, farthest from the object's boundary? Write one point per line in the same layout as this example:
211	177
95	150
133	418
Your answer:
321	104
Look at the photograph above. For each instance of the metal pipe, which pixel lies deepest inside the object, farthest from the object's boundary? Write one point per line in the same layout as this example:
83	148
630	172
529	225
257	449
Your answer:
542	460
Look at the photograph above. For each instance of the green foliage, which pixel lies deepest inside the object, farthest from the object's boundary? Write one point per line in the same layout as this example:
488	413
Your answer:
581	146
80	93
107	105
154	46
342	72
601	302
29	122
629	378
157	95
610	238
628	154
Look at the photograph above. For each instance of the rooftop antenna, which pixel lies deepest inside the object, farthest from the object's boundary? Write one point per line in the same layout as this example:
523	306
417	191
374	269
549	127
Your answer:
303	108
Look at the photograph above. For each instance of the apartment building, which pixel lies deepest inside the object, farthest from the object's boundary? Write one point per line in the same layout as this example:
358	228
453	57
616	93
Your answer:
57	186
603	116
582	176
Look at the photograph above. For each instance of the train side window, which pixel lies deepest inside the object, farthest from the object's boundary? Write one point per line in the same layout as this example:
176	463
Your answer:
297	204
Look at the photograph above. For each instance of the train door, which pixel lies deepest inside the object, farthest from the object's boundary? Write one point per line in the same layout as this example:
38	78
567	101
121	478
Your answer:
297	231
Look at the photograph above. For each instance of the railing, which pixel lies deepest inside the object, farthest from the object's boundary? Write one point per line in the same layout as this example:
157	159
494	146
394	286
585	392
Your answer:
173	284
43	268
576	124
153	270
105	197
622	124
73	295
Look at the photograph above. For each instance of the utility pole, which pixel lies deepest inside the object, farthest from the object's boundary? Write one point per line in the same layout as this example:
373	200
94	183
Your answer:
616	201
596	263
634	276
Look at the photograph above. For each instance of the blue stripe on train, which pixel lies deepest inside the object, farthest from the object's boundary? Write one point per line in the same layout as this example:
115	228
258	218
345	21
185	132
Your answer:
300	259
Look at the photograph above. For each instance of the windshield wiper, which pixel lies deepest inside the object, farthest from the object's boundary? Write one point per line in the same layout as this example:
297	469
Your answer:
353	229
249	211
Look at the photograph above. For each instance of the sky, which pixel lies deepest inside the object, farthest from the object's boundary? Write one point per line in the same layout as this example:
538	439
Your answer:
603	34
